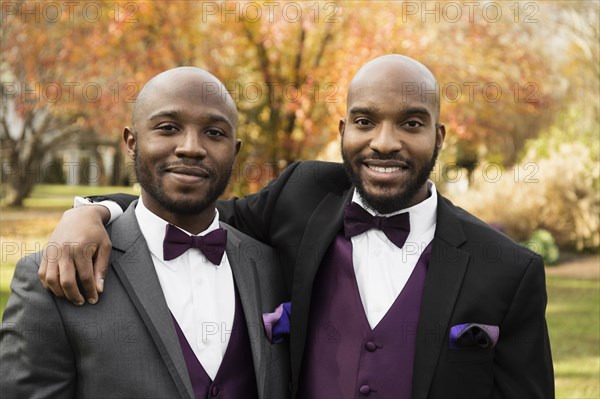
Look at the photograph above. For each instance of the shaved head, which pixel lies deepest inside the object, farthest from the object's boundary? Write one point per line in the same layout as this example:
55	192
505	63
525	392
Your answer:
391	135
394	70
206	88
183	143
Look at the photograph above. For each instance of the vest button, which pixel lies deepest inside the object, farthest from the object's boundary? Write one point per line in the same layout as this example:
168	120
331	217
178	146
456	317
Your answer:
365	389
371	347
214	391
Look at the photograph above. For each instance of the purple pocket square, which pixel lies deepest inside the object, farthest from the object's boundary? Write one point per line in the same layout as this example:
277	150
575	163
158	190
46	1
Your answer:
277	324
473	335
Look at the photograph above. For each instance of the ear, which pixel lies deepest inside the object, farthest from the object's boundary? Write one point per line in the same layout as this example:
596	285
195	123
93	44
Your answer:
342	127
440	135
238	145
130	139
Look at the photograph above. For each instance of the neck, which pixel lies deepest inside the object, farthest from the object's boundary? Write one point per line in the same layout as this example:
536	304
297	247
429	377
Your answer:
421	195
193	223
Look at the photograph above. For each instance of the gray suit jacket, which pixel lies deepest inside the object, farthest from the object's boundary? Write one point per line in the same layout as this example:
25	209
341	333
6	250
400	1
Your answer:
126	345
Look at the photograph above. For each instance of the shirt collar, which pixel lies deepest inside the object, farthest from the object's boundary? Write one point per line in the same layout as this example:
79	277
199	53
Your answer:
153	228
422	215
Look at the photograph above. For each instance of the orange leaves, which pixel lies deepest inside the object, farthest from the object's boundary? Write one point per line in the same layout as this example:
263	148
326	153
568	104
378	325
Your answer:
289	63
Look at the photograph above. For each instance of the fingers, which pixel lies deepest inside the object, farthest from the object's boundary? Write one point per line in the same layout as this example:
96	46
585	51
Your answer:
72	263
85	271
42	270
48	272
101	264
74	248
67	281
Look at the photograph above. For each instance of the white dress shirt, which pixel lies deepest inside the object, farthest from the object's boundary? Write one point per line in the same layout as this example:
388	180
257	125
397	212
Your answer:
381	268
200	295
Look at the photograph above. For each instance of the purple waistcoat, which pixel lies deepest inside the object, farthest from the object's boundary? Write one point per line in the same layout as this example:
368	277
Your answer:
235	378
344	357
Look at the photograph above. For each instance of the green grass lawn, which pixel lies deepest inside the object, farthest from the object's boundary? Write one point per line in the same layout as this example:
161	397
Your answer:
573	312
53	196
573	316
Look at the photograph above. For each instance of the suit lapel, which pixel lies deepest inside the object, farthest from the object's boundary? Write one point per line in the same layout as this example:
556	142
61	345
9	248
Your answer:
321	229
246	282
447	266
136	272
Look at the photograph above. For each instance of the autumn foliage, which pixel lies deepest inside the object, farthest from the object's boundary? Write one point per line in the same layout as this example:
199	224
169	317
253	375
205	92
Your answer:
500	66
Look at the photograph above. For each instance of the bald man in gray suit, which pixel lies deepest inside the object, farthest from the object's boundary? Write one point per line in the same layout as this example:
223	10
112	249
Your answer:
176	322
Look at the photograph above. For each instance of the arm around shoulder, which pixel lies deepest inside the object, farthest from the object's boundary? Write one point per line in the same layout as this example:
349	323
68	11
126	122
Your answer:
36	360
123	200
252	214
80	246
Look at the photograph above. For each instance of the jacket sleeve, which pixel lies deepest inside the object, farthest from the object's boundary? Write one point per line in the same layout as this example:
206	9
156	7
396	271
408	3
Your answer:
36	360
523	361
253	213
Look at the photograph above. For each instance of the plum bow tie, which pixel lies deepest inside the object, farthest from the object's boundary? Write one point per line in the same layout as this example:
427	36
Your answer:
357	220
177	242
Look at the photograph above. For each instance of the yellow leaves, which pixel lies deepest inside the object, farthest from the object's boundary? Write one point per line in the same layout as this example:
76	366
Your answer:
302	56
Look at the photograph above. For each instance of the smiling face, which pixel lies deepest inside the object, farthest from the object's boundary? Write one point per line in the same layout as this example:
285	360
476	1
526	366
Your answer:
390	137
184	144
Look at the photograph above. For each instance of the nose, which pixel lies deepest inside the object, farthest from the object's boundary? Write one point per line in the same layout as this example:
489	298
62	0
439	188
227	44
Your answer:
386	139
190	145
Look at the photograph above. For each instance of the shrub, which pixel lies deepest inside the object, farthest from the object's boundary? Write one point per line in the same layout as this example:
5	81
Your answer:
542	242
557	193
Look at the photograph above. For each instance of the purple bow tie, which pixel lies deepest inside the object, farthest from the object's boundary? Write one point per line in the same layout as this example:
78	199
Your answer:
357	220
177	242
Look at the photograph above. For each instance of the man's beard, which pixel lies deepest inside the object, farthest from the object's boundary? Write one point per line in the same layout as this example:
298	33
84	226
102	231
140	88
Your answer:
391	203
154	187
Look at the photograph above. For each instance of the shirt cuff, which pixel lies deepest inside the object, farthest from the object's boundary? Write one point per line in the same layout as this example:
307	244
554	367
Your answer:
114	208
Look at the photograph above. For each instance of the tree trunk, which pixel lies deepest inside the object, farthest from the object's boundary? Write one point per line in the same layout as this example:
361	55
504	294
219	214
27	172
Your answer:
23	172
20	184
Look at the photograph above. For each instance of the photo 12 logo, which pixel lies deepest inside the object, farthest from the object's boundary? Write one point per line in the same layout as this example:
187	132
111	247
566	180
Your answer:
61	92
454	92
251	11
68	11
471	11
490	92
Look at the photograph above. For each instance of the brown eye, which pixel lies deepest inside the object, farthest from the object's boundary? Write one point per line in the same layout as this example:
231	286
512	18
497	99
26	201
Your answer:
168	128
362	122
214	133
414	124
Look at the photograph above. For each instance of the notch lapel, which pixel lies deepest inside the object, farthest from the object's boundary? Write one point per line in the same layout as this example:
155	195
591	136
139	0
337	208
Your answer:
447	267
321	229
246	281
136	272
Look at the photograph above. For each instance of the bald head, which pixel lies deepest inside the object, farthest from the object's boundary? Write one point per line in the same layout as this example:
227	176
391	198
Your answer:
391	135
400	74
191	84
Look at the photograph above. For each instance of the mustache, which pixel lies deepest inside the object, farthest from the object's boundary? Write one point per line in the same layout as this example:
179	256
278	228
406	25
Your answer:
188	162
387	157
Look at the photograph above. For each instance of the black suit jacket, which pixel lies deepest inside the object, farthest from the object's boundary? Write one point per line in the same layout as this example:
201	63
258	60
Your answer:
476	275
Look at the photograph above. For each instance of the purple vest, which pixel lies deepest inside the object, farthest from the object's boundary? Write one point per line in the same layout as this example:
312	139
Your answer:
235	378
344	357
